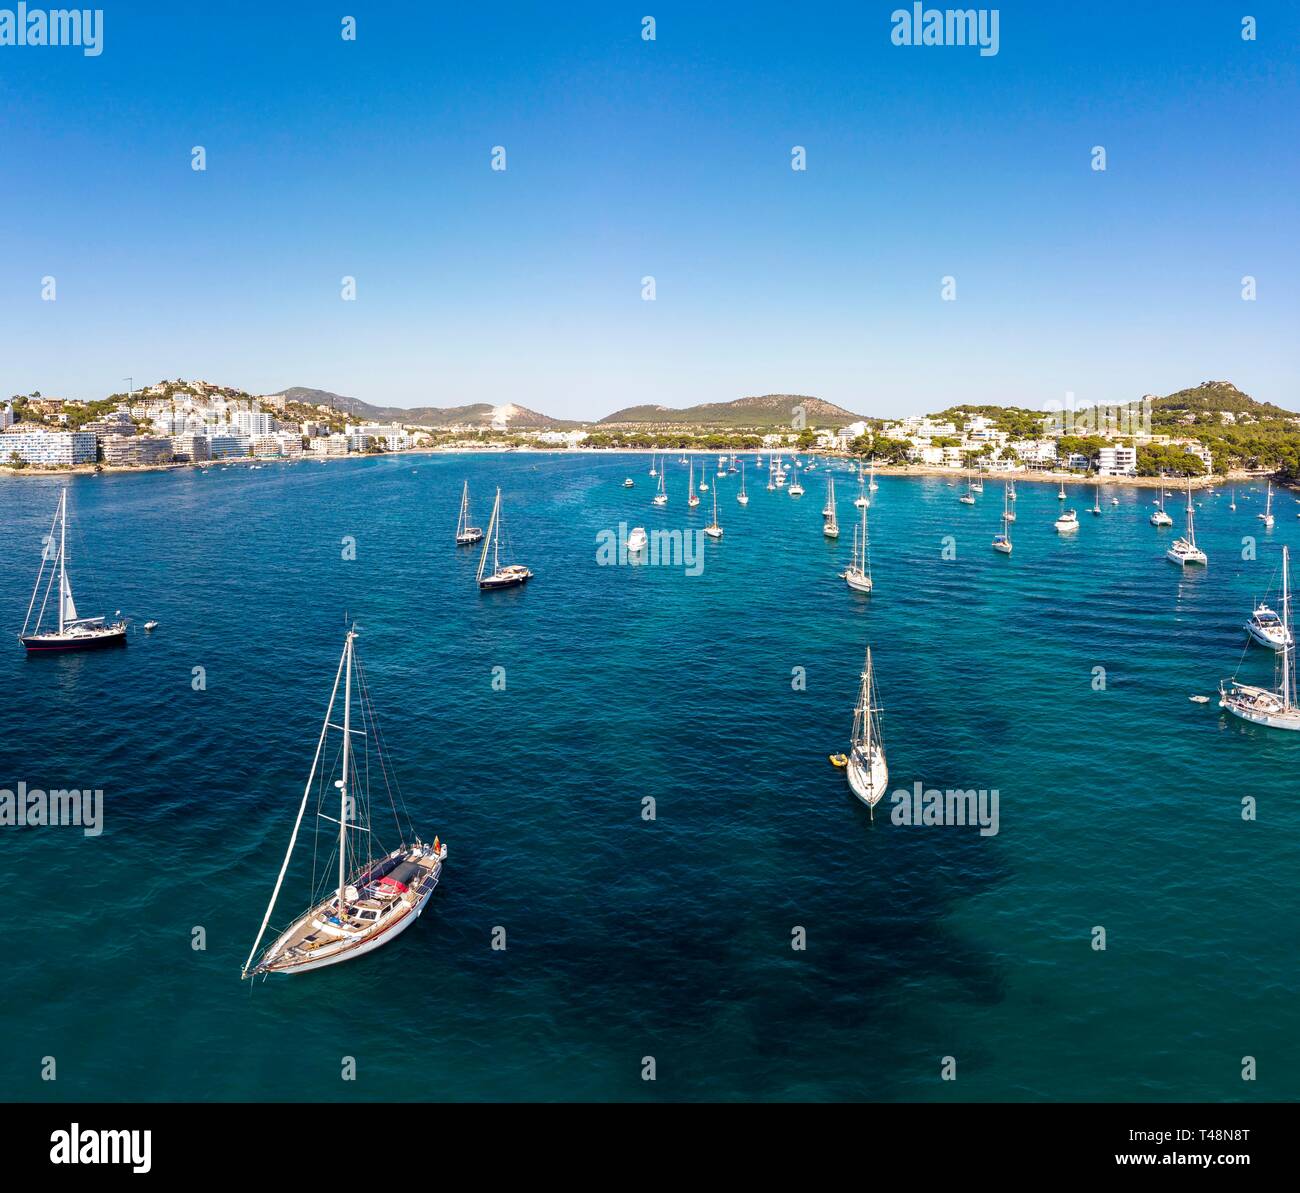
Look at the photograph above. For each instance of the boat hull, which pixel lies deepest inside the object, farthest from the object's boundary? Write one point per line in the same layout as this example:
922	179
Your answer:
61	643
504	580
857	581
868	777
1268	711
369	945
1262	637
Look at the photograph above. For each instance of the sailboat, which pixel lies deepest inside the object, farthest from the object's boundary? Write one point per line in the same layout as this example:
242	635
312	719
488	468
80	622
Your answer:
831	525
742	496
692	497
500	577
1184	550
1275	708
713	530
796	489
968	498
1096	500
661	497
374	895
1267	516
867	771
653	470
858	574
1002	541
74	632
871	484
704	480
1232	505
977	486
1060	492
1012	494
1160	517
861	501
465	533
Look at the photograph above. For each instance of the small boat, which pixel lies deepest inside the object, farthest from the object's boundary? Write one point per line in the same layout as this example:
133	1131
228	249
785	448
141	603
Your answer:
1067	523
510	576
713	529
871	483
653	470
150	626
866	769
1267	516
629	483
73	631
1013	491
375	895
1266	628
1060	493
637	540
1160	517
839	761
742	497
465	533
1232	505
968	498
692	498
861	501
858	574
1199	699
830	524
1184	550
796	489
1096	501
1273	707
1114	501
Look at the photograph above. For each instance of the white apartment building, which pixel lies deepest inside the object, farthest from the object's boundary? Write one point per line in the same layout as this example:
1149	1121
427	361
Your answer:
222	446
7	416
49	447
1117	461
252	423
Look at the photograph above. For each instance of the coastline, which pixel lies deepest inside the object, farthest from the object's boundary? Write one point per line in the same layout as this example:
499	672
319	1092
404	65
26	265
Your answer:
1031	476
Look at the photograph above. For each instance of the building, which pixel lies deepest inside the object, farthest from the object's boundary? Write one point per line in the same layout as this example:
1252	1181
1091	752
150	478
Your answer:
7	416
136	449
49	447
1117	461
252	423
191	448
223	446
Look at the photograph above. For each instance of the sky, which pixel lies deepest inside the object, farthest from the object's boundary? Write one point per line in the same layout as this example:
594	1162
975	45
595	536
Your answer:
625	159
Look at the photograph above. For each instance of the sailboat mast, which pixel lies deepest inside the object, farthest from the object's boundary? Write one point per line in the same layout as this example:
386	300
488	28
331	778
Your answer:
63	555
496	535
347	752
1288	650
866	705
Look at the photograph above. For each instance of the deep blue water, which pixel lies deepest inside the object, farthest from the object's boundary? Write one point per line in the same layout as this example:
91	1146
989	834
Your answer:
1119	808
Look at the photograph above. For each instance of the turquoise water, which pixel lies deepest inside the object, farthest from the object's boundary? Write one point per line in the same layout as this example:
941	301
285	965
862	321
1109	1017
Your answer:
626	939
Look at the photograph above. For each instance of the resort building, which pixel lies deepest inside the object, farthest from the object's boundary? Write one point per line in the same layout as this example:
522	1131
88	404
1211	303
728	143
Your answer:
136	449
49	447
7	416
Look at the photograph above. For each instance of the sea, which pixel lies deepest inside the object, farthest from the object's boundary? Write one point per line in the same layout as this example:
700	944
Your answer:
658	887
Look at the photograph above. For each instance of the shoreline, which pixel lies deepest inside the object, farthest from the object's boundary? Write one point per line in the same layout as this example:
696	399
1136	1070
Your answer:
1032	476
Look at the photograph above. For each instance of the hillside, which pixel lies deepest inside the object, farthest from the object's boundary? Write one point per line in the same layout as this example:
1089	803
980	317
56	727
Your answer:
479	414
769	412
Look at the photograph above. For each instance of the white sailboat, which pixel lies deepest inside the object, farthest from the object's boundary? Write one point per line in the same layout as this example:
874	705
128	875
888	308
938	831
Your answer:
1274	707
1013	490
500	577
692	497
1183	551
1160	517
858	574
796	489
1096	500
866	770
73	631
871	484
742	497
374	895
830	523
465	532
661	497
713	529
968	498
1232	505
1267	516
1002	541
653	470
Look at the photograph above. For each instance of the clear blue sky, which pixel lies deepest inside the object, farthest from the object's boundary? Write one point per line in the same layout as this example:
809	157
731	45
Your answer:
371	159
